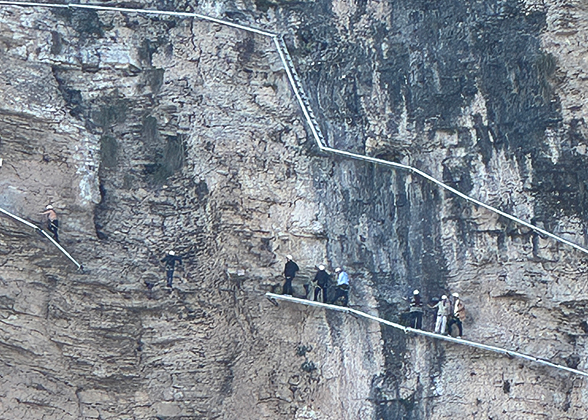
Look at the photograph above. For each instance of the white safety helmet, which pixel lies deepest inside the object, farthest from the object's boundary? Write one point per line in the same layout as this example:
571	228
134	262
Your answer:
338	269
443	297
49	207
289	257
321	267
416	292
172	253
455	295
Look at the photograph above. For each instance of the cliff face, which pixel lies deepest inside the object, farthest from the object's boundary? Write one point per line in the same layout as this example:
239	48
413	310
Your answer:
156	133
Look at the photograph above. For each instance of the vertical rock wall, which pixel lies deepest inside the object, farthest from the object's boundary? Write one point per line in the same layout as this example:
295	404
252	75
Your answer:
467	92
150	134
147	135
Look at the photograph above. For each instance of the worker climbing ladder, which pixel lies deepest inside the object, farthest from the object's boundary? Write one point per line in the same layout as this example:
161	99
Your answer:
408	330
45	234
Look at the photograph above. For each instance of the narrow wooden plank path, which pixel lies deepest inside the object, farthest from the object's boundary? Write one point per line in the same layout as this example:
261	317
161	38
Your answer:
42	232
408	330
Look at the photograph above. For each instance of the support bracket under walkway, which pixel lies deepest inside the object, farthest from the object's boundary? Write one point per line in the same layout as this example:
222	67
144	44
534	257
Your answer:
45	234
408	330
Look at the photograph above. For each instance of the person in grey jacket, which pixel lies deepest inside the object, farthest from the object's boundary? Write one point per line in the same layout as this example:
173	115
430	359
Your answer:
416	311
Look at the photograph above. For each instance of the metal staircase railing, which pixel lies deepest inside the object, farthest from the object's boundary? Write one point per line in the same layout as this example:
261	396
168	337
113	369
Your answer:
408	330
296	84
45	234
297	87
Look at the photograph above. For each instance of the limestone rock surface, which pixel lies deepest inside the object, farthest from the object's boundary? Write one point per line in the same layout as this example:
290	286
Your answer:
151	133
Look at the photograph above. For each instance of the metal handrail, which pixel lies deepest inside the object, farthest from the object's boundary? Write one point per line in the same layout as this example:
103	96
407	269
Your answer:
408	330
299	92
454	191
142	11
317	134
42	232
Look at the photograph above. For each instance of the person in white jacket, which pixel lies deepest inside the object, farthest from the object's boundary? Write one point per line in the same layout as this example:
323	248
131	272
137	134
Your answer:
443	312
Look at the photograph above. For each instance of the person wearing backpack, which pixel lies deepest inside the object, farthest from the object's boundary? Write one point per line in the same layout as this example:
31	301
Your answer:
458	315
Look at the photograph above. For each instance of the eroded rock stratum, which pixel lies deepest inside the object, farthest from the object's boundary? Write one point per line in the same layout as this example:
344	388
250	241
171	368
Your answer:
156	133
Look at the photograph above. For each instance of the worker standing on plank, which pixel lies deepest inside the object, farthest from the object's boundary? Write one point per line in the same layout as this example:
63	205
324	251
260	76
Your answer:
52	222
416	310
342	289
443	312
290	270
322	279
458	315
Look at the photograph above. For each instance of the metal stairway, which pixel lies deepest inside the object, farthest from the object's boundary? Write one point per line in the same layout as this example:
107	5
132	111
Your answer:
296	84
304	103
311	120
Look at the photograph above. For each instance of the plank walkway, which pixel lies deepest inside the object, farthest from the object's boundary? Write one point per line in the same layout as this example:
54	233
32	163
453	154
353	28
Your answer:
42	232
298	89
408	330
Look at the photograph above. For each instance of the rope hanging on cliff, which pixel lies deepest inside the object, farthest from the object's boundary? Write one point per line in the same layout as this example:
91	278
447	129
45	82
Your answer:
296	85
45	234
409	330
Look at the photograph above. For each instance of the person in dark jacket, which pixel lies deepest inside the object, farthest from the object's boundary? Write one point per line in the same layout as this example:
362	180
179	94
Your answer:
322	279
170	261
289	273
52	222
